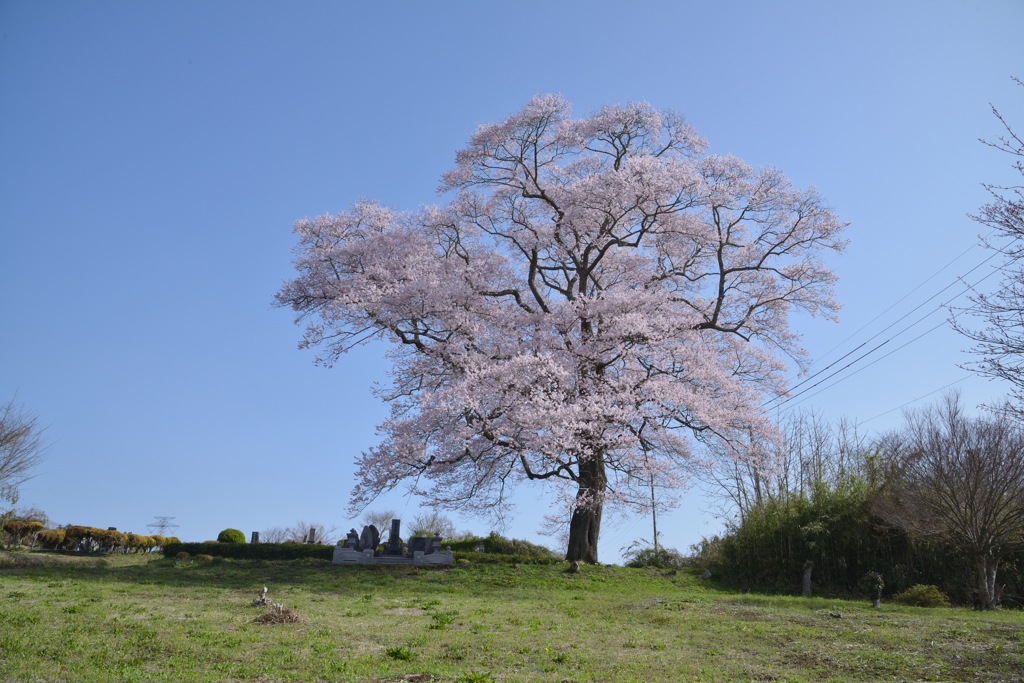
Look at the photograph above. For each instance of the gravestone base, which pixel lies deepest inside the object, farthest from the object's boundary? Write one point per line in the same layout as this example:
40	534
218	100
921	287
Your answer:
343	555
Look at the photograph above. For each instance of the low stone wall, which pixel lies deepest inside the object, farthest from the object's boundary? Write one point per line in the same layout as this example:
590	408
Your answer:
343	555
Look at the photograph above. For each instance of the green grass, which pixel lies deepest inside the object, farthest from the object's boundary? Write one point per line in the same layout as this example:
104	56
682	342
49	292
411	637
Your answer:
142	618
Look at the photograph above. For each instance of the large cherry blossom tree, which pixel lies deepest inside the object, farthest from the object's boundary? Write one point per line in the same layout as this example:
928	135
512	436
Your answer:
597	299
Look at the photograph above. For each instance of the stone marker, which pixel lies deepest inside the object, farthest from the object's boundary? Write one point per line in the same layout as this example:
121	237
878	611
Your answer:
255	537
312	535
352	540
394	546
370	538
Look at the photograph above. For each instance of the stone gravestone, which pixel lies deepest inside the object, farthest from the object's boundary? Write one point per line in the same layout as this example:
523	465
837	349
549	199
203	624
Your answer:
370	538
419	544
352	540
255	537
394	546
312	535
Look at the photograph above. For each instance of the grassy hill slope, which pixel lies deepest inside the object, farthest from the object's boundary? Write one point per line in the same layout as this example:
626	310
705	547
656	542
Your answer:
141	618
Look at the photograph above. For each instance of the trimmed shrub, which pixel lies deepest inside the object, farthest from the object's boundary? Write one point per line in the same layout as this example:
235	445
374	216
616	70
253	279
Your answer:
51	538
922	596
16	529
231	536
183	556
204	558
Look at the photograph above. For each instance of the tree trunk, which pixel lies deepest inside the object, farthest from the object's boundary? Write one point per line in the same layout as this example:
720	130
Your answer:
585	525
987	582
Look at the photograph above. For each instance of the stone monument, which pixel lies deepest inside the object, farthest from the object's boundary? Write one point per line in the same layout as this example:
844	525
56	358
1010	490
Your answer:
362	548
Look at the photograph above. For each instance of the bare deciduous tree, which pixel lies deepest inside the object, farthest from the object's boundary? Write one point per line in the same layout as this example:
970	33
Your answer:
812	452
322	533
1000	343
274	534
958	479
432	523
379	518
21	447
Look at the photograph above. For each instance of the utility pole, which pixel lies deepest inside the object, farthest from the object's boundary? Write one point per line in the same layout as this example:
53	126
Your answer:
654	517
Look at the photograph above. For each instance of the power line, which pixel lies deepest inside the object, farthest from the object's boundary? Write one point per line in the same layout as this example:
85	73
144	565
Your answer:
919	286
885	329
841	379
915	400
859	358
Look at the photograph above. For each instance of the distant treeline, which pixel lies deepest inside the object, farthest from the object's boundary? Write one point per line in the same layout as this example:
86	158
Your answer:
907	505
834	527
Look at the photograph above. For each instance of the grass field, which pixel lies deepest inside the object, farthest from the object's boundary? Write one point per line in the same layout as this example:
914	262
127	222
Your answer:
145	618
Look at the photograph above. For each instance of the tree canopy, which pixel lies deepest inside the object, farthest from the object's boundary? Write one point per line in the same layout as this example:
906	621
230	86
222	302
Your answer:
597	295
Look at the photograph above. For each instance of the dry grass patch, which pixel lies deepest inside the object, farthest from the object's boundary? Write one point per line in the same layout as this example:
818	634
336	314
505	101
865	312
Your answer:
278	614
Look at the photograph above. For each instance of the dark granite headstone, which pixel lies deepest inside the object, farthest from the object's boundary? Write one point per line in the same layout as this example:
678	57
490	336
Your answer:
370	538
255	537
394	546
419	544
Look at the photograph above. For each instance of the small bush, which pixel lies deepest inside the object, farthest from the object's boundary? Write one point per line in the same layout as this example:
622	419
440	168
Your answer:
183	556
872	583
204	558
922	596
217	561
231	536
495	544
662	558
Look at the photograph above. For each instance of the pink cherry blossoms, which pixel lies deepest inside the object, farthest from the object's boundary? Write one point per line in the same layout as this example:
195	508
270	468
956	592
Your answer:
598	296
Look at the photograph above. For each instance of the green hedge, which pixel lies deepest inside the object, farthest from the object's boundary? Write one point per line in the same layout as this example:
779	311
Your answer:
253	551
499	558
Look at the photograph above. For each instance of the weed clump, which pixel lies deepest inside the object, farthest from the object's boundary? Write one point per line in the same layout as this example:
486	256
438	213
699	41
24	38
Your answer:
278	614
399	653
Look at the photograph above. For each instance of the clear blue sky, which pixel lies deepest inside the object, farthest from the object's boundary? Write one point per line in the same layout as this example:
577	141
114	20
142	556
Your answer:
153	157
